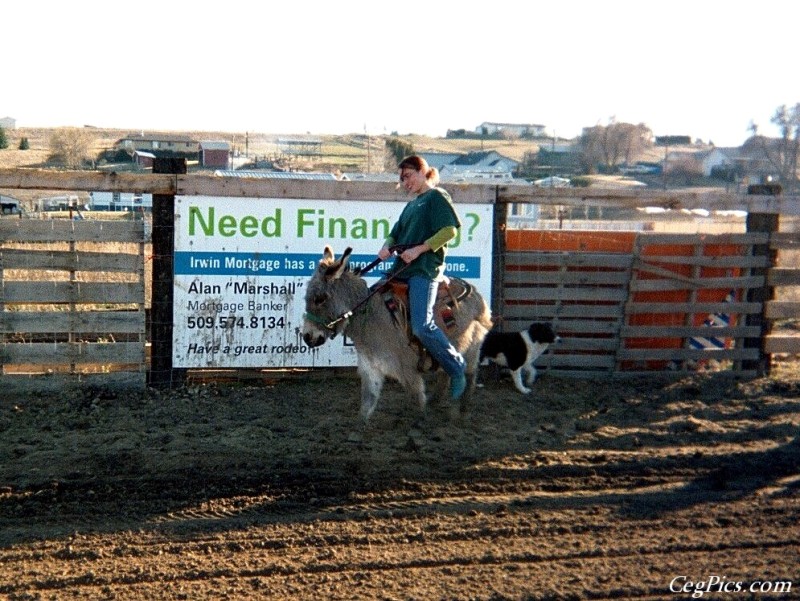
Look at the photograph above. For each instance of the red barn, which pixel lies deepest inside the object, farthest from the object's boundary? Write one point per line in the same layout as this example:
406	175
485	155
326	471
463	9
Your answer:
144	160
215	154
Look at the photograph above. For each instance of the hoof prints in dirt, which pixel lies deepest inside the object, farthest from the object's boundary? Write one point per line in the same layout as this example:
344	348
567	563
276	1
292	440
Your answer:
584	491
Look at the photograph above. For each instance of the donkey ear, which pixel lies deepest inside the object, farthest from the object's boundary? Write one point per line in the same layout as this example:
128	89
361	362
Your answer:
336	270
327	254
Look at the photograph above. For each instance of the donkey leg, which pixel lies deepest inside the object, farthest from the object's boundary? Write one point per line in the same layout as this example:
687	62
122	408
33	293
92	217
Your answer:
471	372
472	360
371	385
416	388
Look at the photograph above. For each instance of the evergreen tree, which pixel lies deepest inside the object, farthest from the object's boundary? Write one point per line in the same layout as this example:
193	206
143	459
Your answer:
3	138
396	150
24	144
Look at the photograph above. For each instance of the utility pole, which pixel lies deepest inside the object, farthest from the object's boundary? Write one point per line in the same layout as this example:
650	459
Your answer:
369	166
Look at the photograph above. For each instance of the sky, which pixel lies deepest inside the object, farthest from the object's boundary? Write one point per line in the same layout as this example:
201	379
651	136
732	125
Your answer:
702	68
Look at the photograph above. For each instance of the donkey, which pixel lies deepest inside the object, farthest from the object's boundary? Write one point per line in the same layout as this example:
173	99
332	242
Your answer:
339	301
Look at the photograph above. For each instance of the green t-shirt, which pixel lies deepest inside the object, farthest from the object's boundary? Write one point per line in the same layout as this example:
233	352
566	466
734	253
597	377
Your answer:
422	218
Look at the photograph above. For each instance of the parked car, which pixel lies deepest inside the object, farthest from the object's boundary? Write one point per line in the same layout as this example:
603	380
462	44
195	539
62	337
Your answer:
637	169
552	182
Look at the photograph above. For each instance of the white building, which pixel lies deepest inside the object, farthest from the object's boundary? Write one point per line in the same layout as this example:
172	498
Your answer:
489	128
719	157
478	164
120	201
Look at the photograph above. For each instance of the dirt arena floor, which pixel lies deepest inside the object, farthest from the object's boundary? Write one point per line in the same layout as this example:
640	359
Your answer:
651	488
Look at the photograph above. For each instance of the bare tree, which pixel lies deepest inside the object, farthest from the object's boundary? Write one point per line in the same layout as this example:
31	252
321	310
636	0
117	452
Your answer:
782	153
590	148
71	146
613	144
637	139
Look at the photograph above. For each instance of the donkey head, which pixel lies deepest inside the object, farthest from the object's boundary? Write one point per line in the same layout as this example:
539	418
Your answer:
325	303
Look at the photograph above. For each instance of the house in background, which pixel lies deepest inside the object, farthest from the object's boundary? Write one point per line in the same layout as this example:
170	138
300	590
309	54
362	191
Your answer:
488	163
157	142
215	155
481	164
439	159
718	159
8	123
522	130
749	161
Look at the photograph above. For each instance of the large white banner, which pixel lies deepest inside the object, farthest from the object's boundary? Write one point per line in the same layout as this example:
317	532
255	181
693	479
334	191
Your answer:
241	266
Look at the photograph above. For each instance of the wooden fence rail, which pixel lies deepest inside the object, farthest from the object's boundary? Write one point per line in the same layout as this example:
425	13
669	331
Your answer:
67	303
782	278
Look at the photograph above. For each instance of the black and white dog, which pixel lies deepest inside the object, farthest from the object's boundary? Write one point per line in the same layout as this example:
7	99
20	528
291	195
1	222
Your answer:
518	351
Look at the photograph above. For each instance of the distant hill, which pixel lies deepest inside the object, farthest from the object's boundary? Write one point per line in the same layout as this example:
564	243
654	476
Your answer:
346	152
340	153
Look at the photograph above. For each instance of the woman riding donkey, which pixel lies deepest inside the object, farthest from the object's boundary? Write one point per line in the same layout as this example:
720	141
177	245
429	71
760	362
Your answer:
425	226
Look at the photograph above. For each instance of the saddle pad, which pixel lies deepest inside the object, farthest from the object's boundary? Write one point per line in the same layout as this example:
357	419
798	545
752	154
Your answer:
450	292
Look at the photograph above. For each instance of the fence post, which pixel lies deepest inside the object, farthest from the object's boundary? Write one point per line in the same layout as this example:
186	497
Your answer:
161	374
764	223
499	214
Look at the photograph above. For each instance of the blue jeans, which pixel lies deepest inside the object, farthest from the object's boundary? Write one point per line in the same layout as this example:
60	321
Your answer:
421	298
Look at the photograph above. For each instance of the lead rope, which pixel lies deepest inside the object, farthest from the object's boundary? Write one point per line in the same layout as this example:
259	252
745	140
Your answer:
397	249
348	314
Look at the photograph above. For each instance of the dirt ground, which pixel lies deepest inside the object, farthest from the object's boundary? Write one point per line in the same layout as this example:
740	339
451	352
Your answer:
650	488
